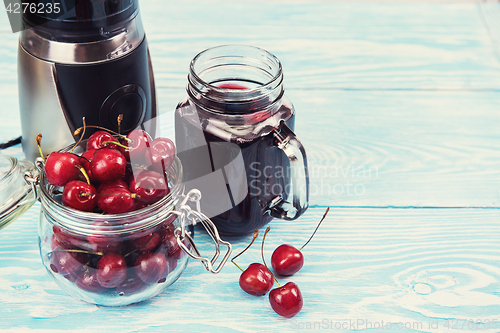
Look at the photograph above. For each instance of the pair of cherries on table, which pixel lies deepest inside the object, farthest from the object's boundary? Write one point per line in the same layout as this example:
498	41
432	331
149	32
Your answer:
286	260
117	177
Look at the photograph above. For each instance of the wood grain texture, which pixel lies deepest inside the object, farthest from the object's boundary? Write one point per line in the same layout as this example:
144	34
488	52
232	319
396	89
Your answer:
406	92
376	148
334	44
401	148
393	148
322	44
399	265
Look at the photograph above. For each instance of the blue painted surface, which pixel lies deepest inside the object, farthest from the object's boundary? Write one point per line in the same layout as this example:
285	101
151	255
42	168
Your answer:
397	106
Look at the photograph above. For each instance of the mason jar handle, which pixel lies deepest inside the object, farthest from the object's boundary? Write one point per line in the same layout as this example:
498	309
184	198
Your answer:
289	206
186	213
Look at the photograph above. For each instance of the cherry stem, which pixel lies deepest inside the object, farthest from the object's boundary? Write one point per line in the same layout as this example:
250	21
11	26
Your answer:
255	235
81	137
84	173
241	269
85	194
39	144
131	195
150	237
78	130
262	253
324	215
79	251
119	120
106	143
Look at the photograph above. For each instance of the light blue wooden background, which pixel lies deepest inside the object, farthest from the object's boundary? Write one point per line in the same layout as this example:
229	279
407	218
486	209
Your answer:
399	110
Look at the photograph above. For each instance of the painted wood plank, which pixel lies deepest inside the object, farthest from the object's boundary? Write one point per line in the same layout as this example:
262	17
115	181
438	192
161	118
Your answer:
335	44
401	148
393	148
364	265
382	148
322	44
434	148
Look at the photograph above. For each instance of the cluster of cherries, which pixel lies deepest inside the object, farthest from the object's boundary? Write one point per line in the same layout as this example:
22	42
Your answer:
286	260
111	176
114	176
126	265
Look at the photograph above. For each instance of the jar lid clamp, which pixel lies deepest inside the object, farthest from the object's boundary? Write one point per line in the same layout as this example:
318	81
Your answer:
193	216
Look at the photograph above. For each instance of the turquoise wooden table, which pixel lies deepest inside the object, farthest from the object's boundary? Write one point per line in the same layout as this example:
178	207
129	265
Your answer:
398	106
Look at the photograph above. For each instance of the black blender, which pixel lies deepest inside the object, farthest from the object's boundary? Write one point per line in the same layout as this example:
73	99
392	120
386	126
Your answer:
82	58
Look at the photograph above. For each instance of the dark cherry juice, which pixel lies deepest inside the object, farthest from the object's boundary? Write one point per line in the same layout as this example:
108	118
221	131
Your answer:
235	139
252	172
232	86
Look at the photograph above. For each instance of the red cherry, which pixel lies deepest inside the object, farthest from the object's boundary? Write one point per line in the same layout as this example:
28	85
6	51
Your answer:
146	243
167	226
85	159
104	243
79	195
132	284
54	243
139	205
140	141
86	156
96	140
287	260
129	174
150	186
116	200
65	262
111	270
161	154
286	300
68	241
174	250
116	183
151	267
108	165
172	264
61	168
88	281
256	280
72	276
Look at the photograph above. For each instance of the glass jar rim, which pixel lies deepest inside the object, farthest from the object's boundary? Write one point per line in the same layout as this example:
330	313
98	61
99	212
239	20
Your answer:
265	91
86	223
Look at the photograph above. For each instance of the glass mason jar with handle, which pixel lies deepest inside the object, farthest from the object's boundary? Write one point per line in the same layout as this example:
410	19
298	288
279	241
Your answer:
234	136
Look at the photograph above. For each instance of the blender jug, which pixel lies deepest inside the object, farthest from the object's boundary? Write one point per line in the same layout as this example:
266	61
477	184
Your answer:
90	59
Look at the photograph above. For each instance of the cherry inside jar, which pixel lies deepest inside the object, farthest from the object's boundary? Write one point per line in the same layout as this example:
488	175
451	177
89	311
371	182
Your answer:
113	259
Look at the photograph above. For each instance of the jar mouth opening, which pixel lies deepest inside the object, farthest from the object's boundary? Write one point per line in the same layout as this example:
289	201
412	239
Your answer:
235	75
84	222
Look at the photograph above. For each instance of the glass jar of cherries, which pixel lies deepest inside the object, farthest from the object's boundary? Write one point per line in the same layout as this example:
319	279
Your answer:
122	258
